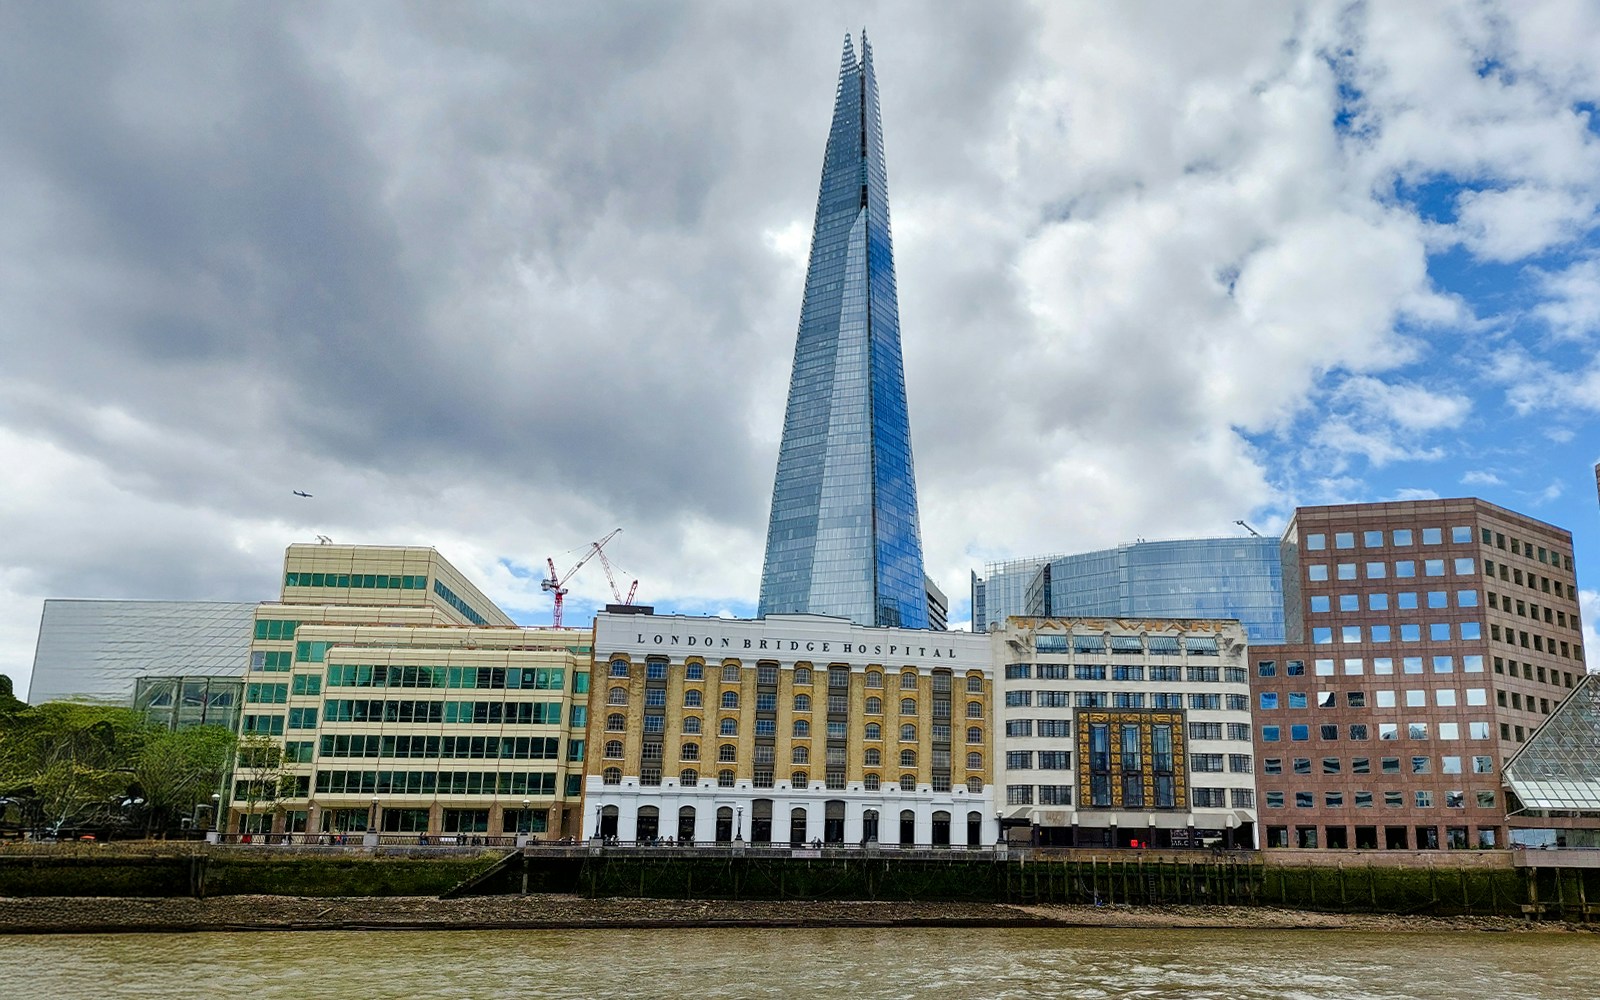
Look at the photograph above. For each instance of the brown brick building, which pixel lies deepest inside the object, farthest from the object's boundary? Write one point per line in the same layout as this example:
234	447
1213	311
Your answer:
1427	641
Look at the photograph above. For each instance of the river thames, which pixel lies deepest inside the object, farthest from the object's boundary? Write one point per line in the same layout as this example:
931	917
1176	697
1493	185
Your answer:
845	964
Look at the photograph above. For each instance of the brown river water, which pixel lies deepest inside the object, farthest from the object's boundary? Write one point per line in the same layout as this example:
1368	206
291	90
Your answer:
848	964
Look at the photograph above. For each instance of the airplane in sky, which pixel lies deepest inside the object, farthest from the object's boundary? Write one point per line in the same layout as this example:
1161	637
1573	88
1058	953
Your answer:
300	494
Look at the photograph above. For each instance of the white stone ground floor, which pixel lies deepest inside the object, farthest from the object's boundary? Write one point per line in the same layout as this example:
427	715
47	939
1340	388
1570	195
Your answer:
709	814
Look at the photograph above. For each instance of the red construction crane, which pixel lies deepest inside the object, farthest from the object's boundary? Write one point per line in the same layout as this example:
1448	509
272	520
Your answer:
557	584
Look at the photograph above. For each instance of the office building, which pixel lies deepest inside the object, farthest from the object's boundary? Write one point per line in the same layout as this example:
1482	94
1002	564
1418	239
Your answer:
1428	640
791	729
843	538
385	694
1195	578
1124	733
101	651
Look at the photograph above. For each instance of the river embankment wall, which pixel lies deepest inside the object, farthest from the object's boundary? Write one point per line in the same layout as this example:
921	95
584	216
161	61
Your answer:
1443	885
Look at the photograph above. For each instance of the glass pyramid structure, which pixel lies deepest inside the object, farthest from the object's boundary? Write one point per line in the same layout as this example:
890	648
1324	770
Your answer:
1558	769
842	538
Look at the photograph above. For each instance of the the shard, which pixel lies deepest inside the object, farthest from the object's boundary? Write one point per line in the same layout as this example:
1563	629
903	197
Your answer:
843	537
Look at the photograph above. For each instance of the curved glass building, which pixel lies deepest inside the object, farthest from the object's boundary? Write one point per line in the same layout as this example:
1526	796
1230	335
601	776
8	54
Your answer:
1238	578
842	538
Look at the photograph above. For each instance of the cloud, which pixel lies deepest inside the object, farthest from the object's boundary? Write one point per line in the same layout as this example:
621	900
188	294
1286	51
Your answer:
1481	477
501	279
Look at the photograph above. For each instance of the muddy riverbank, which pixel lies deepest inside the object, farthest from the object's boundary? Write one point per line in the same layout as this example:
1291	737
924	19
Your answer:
541	912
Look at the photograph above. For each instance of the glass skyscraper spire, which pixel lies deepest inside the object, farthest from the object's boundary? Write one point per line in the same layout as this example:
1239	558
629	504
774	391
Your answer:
843	539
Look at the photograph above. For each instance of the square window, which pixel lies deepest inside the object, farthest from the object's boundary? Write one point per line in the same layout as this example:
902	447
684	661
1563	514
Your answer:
1449	765
1324	668
1350	633
1406	601
1439	631
1466	566
1477	696
1461	533
1389	765
1388	731
1352	666
1444	697
1377	602
1402	536
1433	567
1433	536
1377	570
1299	733
1383	665
1472	664
1410	633
1358	731
1322	636
1471	630
1405	568
1320	603
1372	539
1443	664
1384	698
1380	633
1393	800
1449	730
1349	602
1297	699
1347	571
1421	765
1270	734
1466	598
1317	572
1416	698
1416	730
1424	799
1344	540
1438	599
1316	543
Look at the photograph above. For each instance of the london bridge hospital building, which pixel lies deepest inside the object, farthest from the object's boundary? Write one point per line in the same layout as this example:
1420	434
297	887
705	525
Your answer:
793	729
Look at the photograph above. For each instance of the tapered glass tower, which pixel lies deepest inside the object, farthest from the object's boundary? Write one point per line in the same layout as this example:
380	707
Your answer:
843	538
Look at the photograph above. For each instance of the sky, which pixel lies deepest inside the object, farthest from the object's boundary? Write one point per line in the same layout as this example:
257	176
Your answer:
499	278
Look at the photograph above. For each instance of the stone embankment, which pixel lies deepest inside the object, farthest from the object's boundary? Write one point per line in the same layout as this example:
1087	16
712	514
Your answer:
237	913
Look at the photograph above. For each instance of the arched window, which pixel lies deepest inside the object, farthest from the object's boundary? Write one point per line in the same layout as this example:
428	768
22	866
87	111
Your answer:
616	722
619	668
974	761
975	684
908	734
724	779
974	709
908	706
874	731
974	734
908	758
908	681
874	706
730	699
691	725
613	748
801	755
728	727
688	777
612	776
802	727
874	679
730	673
870	783
618	696
872	757
908	782
799	779
975	785
692	699
802	675
690	751
802	703
727	753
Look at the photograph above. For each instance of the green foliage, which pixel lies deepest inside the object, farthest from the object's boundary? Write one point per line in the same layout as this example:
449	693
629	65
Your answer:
9	703
178	769
67	764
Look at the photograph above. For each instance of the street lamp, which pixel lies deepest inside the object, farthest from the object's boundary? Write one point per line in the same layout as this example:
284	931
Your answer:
525	825
216	812
372	820
738	831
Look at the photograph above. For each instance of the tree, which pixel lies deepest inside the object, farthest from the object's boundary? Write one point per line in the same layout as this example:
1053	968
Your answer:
176	769
258	771
66	764
9	703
